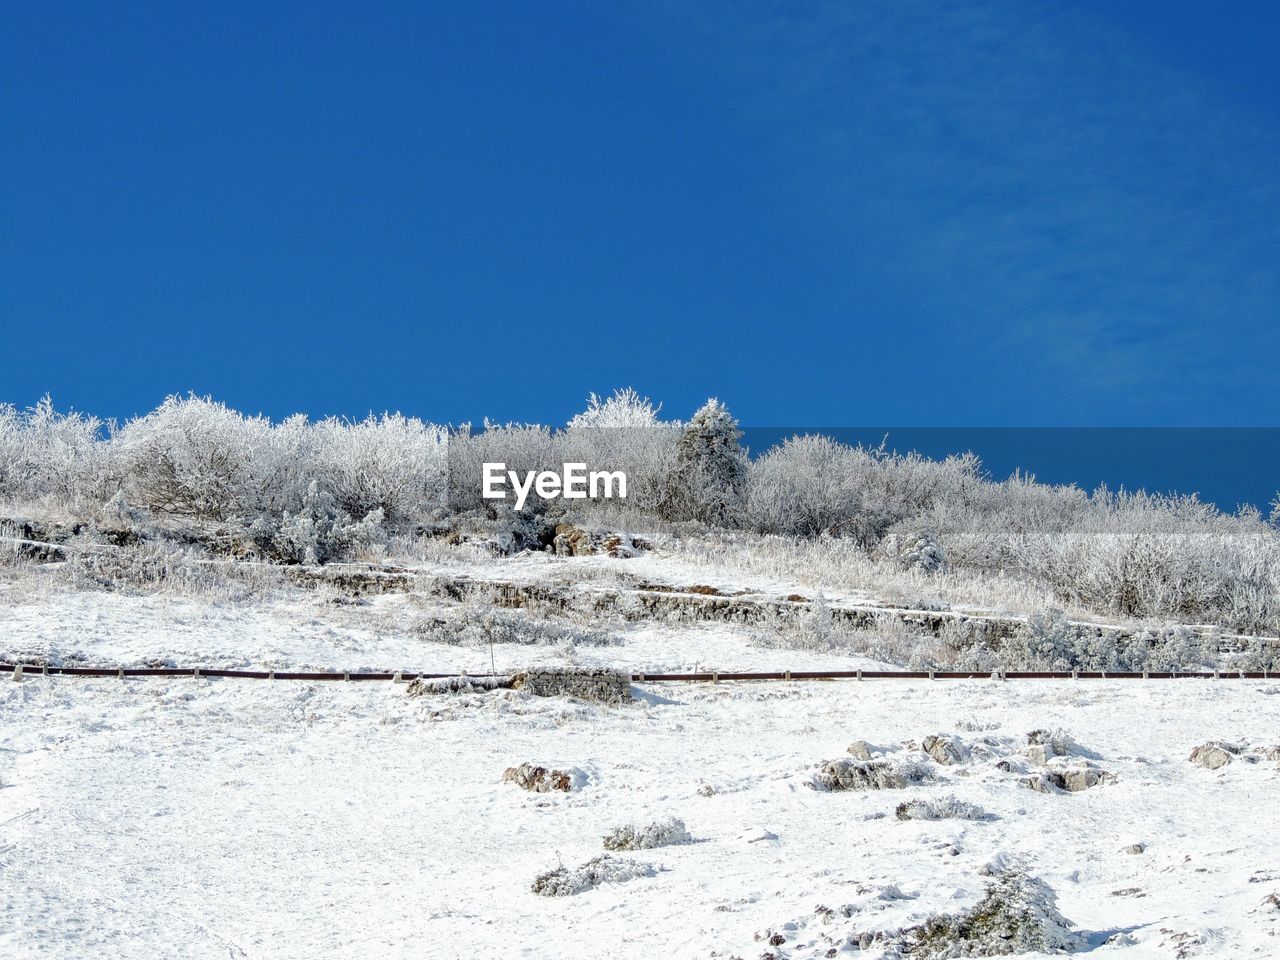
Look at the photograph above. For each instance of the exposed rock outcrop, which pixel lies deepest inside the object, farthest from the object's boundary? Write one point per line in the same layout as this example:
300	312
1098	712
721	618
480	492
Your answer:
1214	755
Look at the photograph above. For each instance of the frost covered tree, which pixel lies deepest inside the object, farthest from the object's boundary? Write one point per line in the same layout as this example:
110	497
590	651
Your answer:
709	479
624	433
626	409
49	455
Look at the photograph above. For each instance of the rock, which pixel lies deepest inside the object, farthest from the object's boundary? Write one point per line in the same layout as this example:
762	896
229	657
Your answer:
1040	753
860	750
1056	743
1072	779
944	749
850	774
571	541
1134	848
1077	779
536	779
1270	753
1213	755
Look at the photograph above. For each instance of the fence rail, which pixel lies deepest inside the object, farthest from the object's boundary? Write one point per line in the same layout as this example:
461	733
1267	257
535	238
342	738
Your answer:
20	671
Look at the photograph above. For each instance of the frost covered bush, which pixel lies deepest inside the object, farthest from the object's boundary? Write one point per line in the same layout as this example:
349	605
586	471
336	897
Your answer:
812	485
46	455
479	624
196	459
1050	642
624	433
318	532
825	513
392	465
161	567
563	882
919	550
660	833
1017	914
943	808
232	476
1045	643
811	629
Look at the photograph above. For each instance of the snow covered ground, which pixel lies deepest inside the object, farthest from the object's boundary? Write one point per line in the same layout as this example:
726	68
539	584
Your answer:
221	818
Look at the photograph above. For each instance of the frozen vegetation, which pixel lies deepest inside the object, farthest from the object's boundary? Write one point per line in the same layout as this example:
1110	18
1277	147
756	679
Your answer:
205	478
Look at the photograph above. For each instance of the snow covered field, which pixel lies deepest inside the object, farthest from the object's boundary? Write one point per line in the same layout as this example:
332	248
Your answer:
210	818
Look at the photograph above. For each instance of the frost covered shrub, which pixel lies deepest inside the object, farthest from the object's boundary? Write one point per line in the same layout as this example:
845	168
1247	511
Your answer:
318	532
1176	648
943	808
811	485
1143	555
624	433
394	464
1045	643
811	629
145	567
162	567
522	447
824	512
915	550
198	459
193	458
478	624
563	882
660	833
1017	914
48	455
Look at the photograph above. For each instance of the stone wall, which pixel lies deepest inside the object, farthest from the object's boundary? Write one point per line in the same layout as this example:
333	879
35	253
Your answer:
586	683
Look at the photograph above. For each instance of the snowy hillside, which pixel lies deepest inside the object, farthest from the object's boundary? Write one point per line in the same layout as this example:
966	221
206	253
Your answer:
544	804
224	818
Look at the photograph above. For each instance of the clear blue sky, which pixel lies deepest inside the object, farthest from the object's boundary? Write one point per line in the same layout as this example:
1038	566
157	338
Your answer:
917	213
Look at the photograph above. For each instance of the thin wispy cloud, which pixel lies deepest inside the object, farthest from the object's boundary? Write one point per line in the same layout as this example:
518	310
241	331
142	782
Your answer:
1026	171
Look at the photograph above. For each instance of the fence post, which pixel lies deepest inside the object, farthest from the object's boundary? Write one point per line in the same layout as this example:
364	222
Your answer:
17	673
195	673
